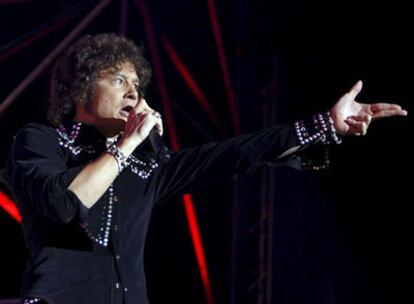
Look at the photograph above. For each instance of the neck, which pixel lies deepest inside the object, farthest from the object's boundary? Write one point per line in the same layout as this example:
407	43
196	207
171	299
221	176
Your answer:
109	128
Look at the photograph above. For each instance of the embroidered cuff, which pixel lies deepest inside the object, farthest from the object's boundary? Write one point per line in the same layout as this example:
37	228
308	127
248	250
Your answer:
319	129
120	157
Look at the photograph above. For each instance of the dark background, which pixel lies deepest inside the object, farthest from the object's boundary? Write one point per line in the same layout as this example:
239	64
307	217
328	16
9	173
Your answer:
341	236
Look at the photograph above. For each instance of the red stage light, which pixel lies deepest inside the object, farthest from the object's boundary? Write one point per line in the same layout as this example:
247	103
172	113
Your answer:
10	207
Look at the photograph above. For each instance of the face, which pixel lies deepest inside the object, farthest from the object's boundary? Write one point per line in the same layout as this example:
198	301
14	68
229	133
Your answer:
116	93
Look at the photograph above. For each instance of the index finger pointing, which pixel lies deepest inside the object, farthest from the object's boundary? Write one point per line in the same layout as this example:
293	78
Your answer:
384	106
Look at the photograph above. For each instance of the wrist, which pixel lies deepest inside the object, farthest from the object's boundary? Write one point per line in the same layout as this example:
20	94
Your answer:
320	128
120	157
127	146
334	119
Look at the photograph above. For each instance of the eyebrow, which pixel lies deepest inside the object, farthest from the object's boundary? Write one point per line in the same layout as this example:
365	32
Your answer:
125	76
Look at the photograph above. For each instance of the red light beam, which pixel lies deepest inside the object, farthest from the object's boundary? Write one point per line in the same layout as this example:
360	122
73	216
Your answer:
191	83
10	207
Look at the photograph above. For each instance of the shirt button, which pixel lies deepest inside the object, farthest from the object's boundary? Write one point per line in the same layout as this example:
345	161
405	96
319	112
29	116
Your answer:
125	289
118	256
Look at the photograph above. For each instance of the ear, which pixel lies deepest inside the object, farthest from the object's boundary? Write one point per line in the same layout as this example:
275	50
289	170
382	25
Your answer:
82	99
80	106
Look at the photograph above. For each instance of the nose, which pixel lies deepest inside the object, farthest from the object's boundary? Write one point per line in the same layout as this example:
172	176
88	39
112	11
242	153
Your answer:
131	92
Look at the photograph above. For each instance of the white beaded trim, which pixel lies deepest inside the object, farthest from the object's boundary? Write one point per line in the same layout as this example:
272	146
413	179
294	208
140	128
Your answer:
120	157
139	167
102	237
321	127
31	300
68	141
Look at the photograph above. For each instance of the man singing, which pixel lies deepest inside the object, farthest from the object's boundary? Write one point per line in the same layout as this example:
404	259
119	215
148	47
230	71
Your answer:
86	188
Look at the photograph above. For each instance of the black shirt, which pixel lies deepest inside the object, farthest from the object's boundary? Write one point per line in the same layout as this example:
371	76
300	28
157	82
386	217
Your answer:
81	255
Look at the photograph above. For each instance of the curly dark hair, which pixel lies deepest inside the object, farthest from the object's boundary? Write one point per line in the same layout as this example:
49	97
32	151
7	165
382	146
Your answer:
75	73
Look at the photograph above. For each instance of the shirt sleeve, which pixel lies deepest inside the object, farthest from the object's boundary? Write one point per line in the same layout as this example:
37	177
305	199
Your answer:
38	173
190	169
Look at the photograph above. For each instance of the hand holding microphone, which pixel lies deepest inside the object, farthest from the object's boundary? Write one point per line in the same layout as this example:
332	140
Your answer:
144	122
157	142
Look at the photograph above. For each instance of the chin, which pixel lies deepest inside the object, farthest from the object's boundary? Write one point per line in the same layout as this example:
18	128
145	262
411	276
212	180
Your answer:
116	124
120	122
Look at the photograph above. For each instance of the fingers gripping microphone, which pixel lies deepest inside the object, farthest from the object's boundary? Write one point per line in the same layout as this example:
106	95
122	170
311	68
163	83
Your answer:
159	146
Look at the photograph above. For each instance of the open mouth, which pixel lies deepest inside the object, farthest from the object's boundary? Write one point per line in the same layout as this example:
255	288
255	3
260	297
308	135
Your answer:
125	111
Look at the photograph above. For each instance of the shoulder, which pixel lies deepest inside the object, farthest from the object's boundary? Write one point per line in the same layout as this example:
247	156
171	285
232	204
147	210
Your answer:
35	137
35	132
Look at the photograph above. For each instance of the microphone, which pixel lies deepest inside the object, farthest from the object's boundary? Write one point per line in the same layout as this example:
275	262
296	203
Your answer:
158	146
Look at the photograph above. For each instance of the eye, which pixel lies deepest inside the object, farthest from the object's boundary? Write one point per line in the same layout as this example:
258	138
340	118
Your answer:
118	81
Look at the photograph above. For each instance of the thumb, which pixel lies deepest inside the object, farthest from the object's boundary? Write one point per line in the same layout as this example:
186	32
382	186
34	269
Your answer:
355	89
